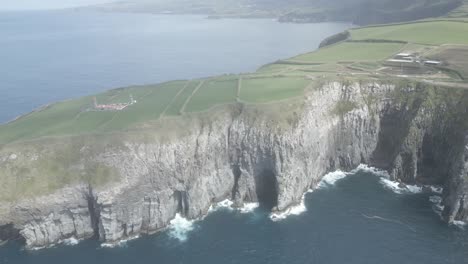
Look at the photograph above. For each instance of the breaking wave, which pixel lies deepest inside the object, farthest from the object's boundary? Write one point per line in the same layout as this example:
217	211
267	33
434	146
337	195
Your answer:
248	208
459	224
120	243
180	227
293	210
72	241
437	206
395	186
223	204
375	171
436	189
228	204
400	188
331	178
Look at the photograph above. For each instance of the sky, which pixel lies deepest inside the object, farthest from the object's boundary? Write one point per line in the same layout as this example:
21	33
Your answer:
45	4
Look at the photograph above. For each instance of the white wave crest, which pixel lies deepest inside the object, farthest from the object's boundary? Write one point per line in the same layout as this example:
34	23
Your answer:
120	243
435	199
293	210
459	224
375	171
400	188
226	203
331	178
396	186
435	189
438	208
414	188
223	204
180	227
248	208
72	241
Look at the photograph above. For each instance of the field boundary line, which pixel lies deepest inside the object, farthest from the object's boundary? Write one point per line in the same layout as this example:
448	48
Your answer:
182	110
239	87
174	99
117	112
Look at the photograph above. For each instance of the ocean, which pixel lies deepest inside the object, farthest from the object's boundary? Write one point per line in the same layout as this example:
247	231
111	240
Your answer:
350	218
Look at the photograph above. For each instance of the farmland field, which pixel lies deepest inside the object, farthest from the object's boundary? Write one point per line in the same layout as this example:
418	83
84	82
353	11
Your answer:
74	116
350	51
176	107
149	107
456	58
213	92
433	33
260	90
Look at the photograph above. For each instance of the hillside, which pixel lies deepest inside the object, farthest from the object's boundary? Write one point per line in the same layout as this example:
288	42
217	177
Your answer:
361	12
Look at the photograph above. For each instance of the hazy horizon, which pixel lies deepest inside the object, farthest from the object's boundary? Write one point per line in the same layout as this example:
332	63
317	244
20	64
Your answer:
46	4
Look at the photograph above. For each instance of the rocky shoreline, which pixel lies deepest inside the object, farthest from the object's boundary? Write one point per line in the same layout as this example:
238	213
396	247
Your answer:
269	155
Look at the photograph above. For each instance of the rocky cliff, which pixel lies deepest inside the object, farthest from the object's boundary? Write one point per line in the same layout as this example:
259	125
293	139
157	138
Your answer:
133	182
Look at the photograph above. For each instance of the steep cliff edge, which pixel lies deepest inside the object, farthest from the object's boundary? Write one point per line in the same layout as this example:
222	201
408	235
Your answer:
120	185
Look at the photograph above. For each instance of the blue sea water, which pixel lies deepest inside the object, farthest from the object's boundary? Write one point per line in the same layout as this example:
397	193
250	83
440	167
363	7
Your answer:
54	55
355	221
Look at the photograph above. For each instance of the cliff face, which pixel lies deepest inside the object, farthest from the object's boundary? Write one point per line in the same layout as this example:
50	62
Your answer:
271	154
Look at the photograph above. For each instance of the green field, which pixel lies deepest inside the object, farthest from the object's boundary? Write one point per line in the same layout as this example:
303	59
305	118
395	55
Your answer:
213	92
433	33
455	56
149	107
350	51
176	107
75	117
260	90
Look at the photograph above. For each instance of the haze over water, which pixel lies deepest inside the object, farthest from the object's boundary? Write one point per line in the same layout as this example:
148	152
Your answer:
48	56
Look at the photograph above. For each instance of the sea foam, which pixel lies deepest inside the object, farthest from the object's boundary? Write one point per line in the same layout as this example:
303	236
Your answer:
375	171
120	243
248	208
400	188
180	227
396	186
72	241
331	178
223	204
459	224
293	210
